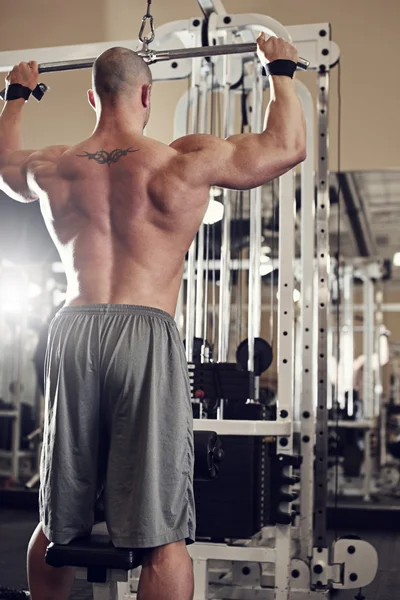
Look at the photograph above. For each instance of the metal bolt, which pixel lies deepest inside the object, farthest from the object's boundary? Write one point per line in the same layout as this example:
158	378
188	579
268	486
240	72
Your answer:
295	574
318	569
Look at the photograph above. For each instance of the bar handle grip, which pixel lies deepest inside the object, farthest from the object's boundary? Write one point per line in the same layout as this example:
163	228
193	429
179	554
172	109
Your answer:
303	64
37	93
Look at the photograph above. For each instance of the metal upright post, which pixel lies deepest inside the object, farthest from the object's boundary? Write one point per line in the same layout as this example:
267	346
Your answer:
209	7
285	366
322	296
254	281
307	326
191	264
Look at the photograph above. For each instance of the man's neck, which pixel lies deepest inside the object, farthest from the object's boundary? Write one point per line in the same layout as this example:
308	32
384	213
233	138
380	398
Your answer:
112	121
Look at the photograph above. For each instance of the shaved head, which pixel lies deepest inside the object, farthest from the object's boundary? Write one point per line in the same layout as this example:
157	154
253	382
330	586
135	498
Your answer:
119	71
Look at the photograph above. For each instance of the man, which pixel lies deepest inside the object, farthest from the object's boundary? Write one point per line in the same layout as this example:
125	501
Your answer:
123	210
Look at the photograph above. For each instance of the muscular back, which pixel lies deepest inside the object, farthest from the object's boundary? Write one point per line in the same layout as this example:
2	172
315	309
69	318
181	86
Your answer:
123	225
122	229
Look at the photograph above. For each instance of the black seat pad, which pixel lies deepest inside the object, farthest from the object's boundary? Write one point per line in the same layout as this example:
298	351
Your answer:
94	551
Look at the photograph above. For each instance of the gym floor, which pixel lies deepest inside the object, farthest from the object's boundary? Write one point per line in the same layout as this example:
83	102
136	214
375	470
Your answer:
16	527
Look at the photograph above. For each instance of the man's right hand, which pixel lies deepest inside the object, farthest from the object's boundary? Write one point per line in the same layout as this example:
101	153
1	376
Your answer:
26	74
273	48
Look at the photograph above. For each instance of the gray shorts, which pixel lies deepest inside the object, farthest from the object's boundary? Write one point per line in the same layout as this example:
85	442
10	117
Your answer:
118	420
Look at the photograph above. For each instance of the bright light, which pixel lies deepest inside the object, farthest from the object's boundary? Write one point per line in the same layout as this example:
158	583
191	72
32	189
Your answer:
215	212
12	297
396	259
34	290
265	250
58	297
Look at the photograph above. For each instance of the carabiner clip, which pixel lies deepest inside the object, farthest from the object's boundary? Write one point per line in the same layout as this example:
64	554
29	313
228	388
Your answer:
147	40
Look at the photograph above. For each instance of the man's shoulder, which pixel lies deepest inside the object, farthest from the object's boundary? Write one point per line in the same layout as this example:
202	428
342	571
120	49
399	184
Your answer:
48	154
193	142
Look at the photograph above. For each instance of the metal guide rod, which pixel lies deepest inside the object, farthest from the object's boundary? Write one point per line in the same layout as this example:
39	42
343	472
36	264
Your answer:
378	348
190	303
191	269
254	314
179	312
164	55
347	341
200	283
225	273
367	465
368	378
380	410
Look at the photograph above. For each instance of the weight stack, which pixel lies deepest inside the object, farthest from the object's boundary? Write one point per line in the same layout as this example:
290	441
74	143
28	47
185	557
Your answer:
237	504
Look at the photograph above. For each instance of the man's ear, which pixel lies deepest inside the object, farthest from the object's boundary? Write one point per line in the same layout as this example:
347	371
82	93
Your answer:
91	99
146	92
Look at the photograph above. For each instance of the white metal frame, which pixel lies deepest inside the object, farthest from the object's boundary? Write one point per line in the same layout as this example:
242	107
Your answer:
283	427
307	368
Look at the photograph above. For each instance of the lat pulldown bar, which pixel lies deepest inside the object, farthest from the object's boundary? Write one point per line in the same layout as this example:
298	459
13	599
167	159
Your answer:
162	55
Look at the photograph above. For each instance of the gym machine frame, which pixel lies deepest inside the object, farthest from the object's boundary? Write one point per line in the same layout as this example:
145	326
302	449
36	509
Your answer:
314	571
370	272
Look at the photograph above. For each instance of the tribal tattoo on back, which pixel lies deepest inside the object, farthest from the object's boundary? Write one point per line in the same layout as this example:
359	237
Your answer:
107	158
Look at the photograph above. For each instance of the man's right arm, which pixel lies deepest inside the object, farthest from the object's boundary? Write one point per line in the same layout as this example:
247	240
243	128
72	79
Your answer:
249	160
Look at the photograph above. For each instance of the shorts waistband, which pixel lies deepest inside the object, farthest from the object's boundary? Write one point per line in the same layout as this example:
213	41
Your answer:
115	309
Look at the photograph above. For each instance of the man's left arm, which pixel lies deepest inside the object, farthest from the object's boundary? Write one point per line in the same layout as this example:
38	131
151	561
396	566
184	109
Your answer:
13	160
